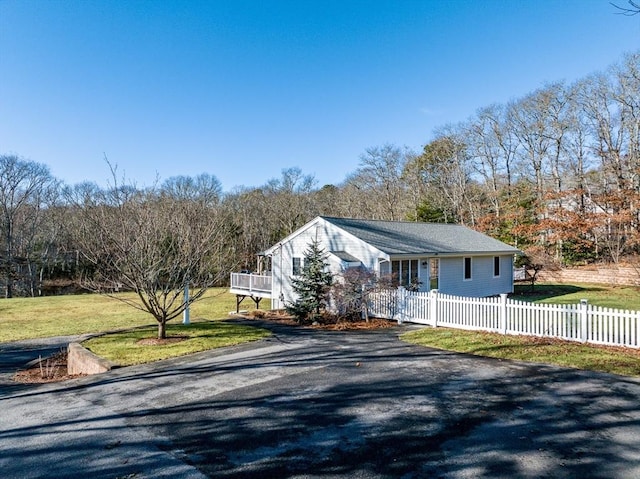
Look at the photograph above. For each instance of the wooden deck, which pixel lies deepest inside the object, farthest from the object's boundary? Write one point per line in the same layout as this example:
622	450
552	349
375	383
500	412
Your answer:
254	286
251	285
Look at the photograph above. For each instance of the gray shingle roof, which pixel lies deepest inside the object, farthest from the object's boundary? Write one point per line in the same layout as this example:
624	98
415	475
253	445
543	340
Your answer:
403	237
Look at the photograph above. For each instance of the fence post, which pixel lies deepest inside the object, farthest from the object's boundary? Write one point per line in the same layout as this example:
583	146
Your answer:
401	294
433	307
584	303
503	313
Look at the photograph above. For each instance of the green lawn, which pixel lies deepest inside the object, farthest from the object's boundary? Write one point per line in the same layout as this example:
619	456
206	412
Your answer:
543	350
124	348
621	297
526	348
25	318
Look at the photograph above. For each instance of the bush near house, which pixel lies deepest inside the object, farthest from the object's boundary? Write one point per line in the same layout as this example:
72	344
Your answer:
312	286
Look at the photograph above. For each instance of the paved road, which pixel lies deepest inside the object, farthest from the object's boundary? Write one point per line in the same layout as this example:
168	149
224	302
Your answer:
308	404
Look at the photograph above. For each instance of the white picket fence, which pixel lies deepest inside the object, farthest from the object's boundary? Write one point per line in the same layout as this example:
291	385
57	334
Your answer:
574	322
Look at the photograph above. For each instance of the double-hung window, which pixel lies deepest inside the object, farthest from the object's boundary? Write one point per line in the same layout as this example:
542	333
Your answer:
297	266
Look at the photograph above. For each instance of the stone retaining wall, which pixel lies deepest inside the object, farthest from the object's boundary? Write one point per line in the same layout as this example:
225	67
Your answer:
82	361
606	274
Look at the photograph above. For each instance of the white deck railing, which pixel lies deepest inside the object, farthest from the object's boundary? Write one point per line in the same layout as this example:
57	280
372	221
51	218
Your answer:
574	322
251	284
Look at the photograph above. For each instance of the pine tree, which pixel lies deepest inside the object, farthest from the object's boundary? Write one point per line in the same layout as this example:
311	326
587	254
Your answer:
312	286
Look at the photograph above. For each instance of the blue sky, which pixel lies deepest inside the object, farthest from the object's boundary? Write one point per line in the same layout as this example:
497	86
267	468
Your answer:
243	89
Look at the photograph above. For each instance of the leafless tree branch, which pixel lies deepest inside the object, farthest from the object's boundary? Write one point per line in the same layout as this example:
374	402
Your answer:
634	8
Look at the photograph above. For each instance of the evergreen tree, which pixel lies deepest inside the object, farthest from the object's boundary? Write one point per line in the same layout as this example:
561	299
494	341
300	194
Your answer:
312	286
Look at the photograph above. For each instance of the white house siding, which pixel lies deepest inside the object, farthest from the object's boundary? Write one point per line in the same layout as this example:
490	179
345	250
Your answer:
482	282
335	263
334	239
331	239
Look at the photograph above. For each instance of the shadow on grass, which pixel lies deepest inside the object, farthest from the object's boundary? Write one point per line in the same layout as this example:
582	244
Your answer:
543	291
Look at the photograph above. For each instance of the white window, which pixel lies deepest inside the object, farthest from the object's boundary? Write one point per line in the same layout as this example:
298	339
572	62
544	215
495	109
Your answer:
406	271
297	266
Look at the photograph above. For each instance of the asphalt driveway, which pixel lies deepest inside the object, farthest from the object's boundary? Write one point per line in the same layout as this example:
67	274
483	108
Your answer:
309	404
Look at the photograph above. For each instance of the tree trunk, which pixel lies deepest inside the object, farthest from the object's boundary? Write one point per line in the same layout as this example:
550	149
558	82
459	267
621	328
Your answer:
8	292
32	281
9	260
162	329
40	280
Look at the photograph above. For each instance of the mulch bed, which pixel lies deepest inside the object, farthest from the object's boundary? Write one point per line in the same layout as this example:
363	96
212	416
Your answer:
327	322
46	370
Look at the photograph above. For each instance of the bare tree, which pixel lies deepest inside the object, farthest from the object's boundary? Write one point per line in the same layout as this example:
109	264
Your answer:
377	188
609	103
249	213
204	188
445	169
289	199
492	145
327	201
153	244
23	186
352	292
37	244
631	10
535	260
530	122
264	215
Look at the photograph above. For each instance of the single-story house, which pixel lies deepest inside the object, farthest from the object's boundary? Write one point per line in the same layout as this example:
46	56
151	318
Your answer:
451	258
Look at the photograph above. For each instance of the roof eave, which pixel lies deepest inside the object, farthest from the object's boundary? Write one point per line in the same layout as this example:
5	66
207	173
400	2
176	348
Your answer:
453	254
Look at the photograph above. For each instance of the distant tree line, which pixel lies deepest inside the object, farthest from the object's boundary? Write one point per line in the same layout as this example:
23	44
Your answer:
555	173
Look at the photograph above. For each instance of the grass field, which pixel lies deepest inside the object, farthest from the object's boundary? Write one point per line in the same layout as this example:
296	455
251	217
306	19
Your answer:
544	350
125	348
25	318
621	297
526	348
